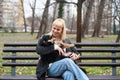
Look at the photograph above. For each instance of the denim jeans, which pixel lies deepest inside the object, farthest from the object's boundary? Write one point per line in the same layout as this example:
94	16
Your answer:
67	69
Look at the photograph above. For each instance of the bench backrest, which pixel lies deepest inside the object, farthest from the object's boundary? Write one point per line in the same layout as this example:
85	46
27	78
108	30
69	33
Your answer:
92	48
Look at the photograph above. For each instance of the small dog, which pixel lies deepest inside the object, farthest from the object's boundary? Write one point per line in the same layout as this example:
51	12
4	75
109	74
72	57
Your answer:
48	40
63	45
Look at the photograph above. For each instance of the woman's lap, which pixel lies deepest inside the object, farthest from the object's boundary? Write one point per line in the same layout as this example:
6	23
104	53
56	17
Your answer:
57	68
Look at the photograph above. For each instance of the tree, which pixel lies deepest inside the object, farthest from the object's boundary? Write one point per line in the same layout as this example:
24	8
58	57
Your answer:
117	17
98	20
54	11
60	12
43	23
79	7
33	16
87	17
1	22
23	15
1	1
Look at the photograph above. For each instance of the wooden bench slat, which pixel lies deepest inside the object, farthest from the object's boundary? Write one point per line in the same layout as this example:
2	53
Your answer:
98	49
29	44
104	77
76	44
19	50
24	77
87	44
20	57
80	64
98	64
99	57
20	64
33	77
78	49
36	57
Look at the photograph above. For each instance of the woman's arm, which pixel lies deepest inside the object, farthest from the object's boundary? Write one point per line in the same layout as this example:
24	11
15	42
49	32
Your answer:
75	55
71	49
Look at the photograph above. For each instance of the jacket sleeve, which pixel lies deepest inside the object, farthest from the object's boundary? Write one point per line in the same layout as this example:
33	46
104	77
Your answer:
43	50
71	49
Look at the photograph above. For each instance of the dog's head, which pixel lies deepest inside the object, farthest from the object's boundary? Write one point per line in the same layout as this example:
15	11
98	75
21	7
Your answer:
46	42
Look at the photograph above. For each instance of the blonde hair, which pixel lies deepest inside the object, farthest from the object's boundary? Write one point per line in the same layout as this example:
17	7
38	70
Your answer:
59	22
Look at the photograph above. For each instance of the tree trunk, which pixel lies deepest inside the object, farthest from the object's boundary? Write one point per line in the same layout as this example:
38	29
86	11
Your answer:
117	18
71	28
118	37
24	16
20	15
79	6
54	11
33	16
97	25
60	12
46	18
43	22
87	18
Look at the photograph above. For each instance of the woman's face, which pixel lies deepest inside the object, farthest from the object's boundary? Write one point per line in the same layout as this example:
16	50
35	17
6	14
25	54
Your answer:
57	31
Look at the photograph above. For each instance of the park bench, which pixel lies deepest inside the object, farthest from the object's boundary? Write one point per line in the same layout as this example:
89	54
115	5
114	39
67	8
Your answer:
11	58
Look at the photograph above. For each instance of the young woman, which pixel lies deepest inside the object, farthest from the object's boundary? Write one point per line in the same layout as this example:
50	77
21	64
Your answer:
53	60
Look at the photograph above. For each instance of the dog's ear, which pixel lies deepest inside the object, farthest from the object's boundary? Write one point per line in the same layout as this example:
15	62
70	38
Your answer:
52	40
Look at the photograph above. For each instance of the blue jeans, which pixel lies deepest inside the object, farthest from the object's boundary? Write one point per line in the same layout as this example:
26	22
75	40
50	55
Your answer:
67	69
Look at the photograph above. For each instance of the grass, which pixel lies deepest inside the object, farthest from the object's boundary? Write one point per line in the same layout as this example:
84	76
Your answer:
26	37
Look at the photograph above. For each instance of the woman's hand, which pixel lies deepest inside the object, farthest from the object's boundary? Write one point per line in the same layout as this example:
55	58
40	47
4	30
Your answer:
61	52
74	56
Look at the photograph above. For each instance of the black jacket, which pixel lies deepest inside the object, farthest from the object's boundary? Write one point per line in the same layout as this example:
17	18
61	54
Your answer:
48	55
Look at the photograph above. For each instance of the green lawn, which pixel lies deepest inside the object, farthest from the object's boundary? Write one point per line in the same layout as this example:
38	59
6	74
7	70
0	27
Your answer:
26	37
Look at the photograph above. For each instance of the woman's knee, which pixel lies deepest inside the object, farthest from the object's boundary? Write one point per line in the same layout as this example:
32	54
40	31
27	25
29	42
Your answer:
67	75
67	60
